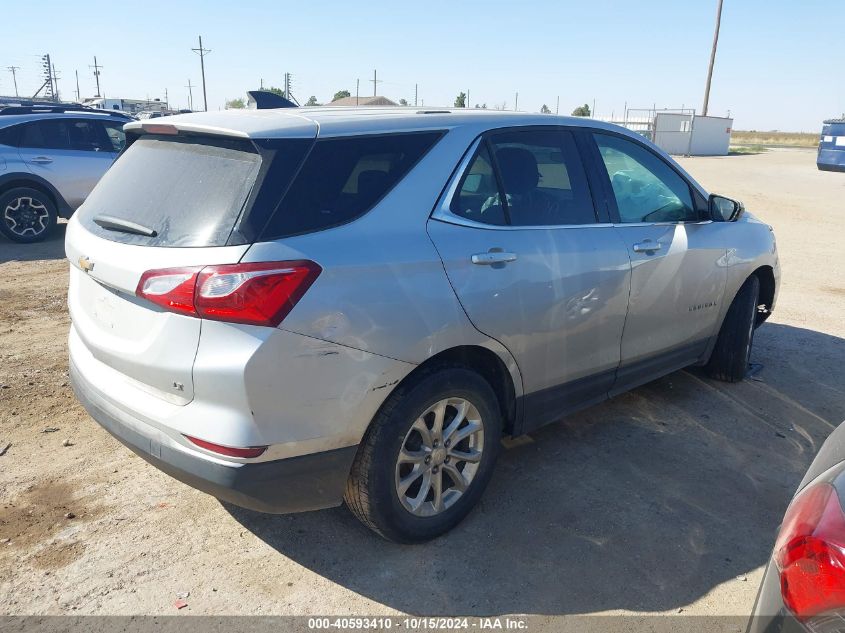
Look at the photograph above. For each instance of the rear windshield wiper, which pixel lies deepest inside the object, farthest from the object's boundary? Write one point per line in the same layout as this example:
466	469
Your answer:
124	226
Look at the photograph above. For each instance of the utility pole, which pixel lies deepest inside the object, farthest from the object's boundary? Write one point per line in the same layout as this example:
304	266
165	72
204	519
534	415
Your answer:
78	94
557	107
56	82
202	52
166	104
357	90
376	81
13	70
466	103
712	59
190	95
416	94
287	86
96	68
516	103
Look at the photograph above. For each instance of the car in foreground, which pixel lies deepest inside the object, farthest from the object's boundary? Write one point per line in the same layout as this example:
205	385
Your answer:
287	309
50	159
803	587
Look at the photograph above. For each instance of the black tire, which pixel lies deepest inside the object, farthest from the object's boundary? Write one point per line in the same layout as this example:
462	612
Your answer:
729	360
26	215
371	490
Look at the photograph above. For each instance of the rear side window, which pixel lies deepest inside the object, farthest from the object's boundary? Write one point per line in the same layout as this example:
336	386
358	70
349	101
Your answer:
344	178
189	191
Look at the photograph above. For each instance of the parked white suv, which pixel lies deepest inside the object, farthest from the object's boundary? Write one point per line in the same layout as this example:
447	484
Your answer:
288	308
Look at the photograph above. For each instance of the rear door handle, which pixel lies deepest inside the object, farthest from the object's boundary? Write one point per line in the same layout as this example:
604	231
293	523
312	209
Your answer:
493	257
42	160
647	246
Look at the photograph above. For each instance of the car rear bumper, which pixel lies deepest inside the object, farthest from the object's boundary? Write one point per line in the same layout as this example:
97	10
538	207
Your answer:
294	484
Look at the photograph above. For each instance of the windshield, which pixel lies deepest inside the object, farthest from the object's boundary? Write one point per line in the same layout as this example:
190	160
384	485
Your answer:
188	192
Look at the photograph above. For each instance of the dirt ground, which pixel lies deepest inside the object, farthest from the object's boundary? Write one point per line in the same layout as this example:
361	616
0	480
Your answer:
663	499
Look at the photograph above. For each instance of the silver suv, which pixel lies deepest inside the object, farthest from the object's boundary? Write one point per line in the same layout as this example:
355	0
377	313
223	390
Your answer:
287	309
50	159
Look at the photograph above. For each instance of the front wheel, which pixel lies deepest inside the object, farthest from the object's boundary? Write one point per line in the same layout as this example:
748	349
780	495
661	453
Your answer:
427	456
730	357
26	214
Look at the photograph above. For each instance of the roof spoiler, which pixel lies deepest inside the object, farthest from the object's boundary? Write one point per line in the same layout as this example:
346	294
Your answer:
266	100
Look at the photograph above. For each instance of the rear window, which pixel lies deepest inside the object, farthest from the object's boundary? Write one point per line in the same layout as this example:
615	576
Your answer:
344	178
189	191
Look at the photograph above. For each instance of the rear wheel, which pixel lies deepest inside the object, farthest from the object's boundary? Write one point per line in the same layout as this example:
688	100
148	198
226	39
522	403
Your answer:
730	357
26	214
427	456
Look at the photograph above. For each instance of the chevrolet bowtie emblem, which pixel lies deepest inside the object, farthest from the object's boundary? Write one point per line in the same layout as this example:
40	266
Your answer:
86	264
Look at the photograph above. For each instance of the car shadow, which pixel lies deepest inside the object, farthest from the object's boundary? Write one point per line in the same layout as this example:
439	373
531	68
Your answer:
51	248
644	503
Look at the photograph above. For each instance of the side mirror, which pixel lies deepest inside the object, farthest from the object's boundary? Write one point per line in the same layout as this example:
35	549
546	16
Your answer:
724	209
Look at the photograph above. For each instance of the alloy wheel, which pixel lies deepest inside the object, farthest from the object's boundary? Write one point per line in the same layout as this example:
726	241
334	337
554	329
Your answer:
439	457
25	216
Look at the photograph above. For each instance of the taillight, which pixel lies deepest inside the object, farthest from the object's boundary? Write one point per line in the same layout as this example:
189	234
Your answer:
171	288
229	451
256	294
810	553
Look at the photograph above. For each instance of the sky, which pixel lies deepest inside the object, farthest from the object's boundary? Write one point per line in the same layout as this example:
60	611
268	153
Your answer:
779	63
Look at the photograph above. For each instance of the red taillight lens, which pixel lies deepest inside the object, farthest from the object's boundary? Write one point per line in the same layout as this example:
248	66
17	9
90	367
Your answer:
810	553
256	294
251	451
171	288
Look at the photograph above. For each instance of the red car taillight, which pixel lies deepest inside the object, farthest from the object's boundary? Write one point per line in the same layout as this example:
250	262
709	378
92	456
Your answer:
256	294
810	553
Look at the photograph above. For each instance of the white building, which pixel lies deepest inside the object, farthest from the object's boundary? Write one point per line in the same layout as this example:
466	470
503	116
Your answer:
682	131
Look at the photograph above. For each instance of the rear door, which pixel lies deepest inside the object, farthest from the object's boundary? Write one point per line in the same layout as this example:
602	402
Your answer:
190	193
71	154
533	266
678	259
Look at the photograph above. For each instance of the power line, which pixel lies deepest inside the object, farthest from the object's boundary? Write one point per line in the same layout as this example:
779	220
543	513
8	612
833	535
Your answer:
96	68
13	70
712	59
202	52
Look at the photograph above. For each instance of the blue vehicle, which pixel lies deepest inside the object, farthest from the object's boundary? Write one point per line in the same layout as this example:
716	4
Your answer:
831	155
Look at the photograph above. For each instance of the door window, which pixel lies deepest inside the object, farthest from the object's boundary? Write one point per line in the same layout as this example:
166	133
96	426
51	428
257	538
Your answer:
645	187
64	134
526	178
116	135
50	134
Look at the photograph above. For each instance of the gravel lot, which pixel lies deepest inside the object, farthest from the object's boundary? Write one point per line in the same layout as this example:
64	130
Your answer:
663	499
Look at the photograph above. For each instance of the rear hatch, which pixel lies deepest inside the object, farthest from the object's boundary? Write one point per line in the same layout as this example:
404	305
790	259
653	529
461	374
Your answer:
169	202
